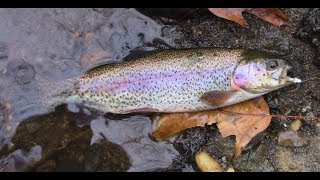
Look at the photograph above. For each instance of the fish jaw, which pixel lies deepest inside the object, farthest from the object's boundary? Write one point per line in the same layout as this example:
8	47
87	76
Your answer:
285	79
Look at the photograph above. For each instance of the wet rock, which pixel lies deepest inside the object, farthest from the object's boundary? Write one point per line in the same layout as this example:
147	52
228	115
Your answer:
273	103
306	108
32	127
106	156
25	74
210	140
131	30
3	51
132	134
219	146
254	160
5	125
224	160
304	158
71	157
63	143
191	142
297	160
292	139
68	165
73	108
20	160
309	32
165	31
92	159
23	71
175	13
47	166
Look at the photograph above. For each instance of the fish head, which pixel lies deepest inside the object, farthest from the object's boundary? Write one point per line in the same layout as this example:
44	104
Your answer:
261	76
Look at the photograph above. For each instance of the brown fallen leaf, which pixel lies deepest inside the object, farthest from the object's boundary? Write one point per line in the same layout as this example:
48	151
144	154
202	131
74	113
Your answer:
170	124
271	15
244	127
244	120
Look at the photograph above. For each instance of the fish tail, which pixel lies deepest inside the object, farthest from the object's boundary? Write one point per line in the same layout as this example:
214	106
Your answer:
19	103
54	93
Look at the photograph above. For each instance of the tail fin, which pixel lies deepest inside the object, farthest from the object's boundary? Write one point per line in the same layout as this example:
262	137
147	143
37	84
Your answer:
54	93
20	102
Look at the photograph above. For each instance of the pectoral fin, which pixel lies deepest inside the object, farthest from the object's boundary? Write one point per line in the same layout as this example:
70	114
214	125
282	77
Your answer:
217	98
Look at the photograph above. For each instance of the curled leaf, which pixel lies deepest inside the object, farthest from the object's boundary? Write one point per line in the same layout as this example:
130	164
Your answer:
244	120
271	15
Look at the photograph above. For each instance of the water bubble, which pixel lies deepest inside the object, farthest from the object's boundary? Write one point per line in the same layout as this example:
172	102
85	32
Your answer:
22	71
73	108
165	31
141	37
25	74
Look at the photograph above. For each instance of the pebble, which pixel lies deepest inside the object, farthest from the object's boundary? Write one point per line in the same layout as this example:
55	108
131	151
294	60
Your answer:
295	125
224	159
8	128
32	127
292	139
304	109
230	169
206	163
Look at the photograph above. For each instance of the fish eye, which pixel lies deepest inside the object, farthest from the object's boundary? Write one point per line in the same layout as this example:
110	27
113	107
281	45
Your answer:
272	64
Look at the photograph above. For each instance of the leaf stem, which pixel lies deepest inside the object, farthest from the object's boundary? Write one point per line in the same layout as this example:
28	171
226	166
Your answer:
273	115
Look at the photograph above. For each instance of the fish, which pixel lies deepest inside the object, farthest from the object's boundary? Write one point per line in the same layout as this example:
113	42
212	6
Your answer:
165	81
170	81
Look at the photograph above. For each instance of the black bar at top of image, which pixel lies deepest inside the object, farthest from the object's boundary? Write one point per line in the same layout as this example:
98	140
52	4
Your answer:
159	3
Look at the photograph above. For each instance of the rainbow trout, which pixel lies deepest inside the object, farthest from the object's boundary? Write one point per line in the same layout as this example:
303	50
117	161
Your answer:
173	81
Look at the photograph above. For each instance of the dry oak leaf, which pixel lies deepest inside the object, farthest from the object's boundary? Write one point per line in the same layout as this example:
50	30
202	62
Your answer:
271	15
244	120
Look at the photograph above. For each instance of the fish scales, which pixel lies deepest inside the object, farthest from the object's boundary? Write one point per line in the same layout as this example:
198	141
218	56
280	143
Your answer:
169	81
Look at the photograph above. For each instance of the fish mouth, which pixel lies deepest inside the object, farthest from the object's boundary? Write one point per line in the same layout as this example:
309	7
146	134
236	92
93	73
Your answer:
285	79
